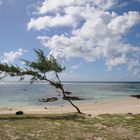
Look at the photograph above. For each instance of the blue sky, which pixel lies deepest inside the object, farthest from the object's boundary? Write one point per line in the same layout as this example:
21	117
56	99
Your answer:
97	40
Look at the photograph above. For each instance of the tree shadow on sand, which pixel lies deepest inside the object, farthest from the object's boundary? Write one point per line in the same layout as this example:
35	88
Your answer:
67	117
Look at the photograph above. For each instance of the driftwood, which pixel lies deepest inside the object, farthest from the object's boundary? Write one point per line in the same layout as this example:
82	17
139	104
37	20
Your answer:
50	99
136	96
72	98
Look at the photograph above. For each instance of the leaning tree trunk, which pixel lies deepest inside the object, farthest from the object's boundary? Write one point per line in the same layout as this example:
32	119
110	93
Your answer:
78	110
64	95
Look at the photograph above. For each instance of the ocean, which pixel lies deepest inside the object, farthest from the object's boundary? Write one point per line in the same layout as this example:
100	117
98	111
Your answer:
24	94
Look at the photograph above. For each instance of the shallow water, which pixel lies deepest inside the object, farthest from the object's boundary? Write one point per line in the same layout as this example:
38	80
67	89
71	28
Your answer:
22	94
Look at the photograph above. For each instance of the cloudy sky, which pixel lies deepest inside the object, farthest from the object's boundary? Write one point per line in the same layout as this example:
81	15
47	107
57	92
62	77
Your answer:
97	40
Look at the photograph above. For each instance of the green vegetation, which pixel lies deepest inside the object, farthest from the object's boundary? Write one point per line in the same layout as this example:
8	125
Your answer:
38	70
70	127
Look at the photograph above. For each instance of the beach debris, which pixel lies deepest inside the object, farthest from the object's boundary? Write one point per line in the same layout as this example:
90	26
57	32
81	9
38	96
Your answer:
72	98
19	113
136	96
45	107
50	99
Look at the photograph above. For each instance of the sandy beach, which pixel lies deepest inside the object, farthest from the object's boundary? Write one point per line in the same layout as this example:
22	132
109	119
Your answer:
111	106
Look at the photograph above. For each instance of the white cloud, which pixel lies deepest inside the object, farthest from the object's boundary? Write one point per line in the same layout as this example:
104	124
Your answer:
55	5
121	24
11	56
49	22
71	8
95	31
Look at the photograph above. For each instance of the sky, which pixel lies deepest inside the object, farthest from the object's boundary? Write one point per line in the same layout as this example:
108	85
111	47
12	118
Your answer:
96	40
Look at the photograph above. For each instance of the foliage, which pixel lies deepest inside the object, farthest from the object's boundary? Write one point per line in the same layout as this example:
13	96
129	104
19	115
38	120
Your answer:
36	69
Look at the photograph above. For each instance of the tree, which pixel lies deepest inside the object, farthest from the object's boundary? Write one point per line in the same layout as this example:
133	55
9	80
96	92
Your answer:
37	70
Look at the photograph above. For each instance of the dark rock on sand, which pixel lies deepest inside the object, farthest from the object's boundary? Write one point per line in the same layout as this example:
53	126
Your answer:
72	98
19	113
67	92
136	96
50	99
129	113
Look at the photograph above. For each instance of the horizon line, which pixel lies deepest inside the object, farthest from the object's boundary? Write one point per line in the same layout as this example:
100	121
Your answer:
78	81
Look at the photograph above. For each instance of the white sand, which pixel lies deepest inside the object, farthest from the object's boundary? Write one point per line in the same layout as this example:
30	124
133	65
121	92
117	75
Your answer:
112	106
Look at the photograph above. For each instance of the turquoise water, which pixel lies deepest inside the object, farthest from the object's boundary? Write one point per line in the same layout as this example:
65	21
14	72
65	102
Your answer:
22	94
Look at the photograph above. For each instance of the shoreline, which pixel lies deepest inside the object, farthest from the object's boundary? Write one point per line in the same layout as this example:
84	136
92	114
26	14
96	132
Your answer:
120	105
